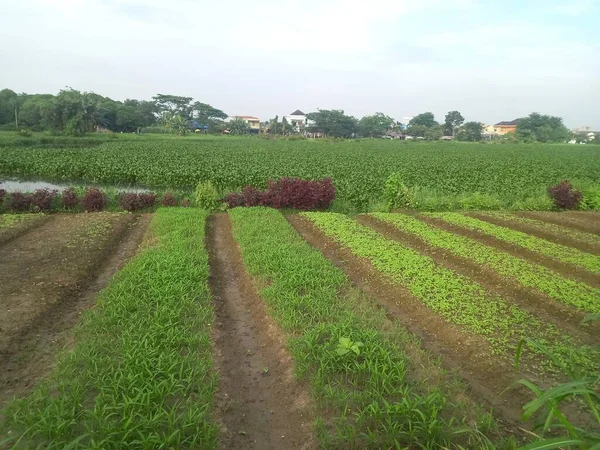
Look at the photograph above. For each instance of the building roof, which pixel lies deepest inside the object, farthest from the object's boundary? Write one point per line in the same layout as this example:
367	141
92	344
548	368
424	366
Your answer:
297	113
248	117
508	123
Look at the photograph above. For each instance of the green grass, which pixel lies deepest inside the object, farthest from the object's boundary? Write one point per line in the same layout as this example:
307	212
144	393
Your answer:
554	285
581	236
140	374
12	220
366	400
561	252
456	298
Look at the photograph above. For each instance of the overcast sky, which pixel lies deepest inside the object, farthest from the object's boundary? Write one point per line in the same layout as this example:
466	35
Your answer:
491	60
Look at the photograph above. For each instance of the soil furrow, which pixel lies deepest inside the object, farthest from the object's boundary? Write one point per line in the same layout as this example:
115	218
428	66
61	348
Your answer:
563	268
530	300
490	377
565	220
260	405
31	350
540	232
13	232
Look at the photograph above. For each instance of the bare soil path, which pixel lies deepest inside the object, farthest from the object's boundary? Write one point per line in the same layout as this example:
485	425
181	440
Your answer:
260	405
588	223
48	278
491	378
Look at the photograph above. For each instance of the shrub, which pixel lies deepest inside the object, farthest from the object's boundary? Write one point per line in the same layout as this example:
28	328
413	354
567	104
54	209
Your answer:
540	203
93	200
24	133
69	199
185	203
19	202
287	193
42	199
590	200
564	195
2	195
207	196
133	201
397	194
169	200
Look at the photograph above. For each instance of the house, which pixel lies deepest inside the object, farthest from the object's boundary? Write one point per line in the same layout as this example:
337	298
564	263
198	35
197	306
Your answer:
298	120
506	127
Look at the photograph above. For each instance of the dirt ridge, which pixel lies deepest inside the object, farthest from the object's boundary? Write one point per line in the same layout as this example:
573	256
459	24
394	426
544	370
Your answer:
571	221
259	404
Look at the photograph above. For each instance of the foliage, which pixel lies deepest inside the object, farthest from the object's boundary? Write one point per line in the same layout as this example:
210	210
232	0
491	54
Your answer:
2	195
287	193
397	194
376	125
369	400
143	355
207	196
42	199
434	133
426	119
133	201
565	196
471	132
458	299
169	200
69	199
453	120
238	126
333	123
590	198
347	346
19	202
510	173
24	133
542	128
93	200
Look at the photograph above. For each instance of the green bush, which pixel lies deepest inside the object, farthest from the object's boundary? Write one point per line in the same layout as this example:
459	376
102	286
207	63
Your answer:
591	198
397	194
540	203
479	201
207	196
24	133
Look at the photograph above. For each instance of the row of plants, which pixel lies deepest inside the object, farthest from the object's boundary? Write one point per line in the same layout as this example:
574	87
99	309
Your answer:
458	299
552	284
140	373
561	252
558	230
360	375
445	174
88	200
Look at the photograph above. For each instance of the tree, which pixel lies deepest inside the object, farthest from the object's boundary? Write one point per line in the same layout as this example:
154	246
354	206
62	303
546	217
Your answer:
179	124
333	123
238	126
470	131
7	111
73	112
30	113
205	113
376	125
426	119
454	119
168	106
542	128
434	133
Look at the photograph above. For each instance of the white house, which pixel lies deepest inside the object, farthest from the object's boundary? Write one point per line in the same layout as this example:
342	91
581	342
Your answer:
298	120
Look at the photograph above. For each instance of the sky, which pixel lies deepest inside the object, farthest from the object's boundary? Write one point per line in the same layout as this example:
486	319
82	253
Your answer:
490	60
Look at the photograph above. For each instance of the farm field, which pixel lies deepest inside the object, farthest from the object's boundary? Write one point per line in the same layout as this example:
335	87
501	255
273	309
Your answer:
445	176
257	329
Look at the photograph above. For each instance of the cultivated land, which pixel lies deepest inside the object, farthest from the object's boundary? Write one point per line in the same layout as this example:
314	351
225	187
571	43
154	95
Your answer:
255	329
445	176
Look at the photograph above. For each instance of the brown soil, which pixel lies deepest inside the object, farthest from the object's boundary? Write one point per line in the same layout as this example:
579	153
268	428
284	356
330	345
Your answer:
45	285
491	378
540	232
8	234
530	300
259	403
566	219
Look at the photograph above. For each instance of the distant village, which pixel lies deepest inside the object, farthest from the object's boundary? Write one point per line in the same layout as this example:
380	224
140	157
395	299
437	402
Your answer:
301	124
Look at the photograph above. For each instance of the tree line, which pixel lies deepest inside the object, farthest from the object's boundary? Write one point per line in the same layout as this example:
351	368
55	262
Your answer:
75	113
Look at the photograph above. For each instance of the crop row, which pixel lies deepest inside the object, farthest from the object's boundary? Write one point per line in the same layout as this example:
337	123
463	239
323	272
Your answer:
358	168
561	252
458	299
360	377
554	285
559	230
140	373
